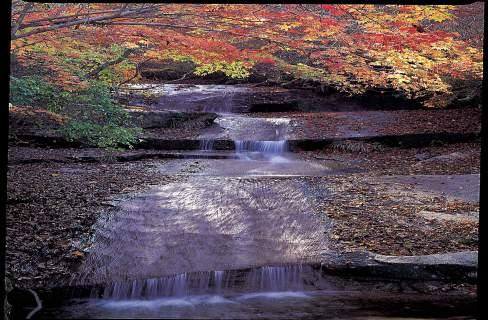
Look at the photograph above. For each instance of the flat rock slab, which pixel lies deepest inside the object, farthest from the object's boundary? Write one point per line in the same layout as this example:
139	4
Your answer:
21	155
199	98
362	258
169	119
461	187
452	266
465	258
465	217
241	127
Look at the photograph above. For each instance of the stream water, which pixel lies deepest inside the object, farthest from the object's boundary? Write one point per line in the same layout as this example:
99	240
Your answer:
189	97
233	238
205	224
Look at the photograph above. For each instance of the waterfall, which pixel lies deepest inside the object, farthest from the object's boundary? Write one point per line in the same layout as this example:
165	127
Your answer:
176	285
261	146
268	150
219	278
206	145
266	278
276	278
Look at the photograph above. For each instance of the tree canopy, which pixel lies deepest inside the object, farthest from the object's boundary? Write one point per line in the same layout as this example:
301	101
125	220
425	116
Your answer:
353	48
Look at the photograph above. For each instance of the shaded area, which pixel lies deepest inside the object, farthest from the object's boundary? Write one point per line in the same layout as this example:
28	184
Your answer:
269	291
343	299
189	97
379	123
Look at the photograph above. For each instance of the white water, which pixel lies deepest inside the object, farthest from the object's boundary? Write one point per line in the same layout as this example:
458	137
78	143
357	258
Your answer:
192	301
276	278
261	146
269	151
261	279
206	145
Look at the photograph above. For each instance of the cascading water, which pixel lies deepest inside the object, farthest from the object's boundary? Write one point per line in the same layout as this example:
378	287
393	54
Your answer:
262	150
185	97
270	148
208	138
277	278
261	279
261	146
209	224
219	278
232	219
206	145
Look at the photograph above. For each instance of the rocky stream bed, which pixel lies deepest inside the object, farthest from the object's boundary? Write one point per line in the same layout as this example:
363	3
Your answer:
91	218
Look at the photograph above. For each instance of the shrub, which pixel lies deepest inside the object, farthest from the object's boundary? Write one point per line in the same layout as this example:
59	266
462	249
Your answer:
97	120
35	91
102	136
94	117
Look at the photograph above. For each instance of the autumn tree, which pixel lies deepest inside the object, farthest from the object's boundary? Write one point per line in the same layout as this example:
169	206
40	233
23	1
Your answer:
353	48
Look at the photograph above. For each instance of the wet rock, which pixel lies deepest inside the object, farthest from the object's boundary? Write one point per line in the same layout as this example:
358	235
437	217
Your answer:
456	266
451	157
168	119
466	258
275	107
423	156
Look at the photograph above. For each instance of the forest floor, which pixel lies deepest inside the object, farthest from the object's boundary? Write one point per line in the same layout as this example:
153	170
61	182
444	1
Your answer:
371	123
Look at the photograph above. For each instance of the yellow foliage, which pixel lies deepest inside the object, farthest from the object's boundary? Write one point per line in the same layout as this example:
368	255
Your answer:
235	70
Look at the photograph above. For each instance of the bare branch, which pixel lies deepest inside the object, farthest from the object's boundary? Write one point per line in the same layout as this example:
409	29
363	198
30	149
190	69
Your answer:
103	66
43	21
81	21
24	12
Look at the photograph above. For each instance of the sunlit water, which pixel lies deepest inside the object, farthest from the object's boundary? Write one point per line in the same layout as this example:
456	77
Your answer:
205	223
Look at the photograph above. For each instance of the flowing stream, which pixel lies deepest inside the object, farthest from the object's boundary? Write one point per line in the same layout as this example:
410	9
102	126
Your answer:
234	238
205	223
225	235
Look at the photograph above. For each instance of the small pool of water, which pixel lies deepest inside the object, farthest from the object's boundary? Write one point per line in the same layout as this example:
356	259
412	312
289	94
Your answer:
267	305
256	164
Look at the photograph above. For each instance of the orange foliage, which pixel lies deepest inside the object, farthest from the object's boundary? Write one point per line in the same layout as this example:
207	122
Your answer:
344	44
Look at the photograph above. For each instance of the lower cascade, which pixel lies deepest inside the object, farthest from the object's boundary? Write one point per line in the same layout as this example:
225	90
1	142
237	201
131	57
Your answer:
261	146
261	279
206	145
